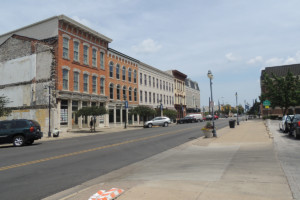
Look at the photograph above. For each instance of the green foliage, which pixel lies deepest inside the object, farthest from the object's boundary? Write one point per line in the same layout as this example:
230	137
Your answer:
143	111
226	109
4	111
172	114
254	109
283	92
91	111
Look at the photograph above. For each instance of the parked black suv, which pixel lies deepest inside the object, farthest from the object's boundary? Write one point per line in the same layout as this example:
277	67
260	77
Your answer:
19	132
295	126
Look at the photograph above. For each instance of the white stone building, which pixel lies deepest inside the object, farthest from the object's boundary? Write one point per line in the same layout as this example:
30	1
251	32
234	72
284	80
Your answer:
155	87
192	96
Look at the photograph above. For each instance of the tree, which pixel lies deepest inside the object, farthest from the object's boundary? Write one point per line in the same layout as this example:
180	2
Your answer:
226	109
283	92
91	111
4	111
143	111
170	113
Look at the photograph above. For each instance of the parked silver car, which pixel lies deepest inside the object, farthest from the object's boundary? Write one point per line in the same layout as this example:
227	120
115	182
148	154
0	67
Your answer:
158	121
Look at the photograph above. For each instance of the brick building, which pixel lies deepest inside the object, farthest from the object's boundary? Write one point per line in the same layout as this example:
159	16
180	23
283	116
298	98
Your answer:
80	73
122	85
279	71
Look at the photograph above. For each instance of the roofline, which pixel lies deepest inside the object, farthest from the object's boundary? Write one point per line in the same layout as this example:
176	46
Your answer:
64	18
153	68
72	21
121	54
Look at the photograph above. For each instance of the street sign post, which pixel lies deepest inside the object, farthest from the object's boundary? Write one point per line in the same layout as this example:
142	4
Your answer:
266	103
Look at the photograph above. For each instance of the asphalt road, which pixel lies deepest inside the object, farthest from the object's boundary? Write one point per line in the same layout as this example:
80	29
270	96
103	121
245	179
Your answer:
43	169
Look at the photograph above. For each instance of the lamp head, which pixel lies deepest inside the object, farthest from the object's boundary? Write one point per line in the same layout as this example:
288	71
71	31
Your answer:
210	75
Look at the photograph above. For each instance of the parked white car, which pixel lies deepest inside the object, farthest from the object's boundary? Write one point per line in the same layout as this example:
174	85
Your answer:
197	117
284	124
158	121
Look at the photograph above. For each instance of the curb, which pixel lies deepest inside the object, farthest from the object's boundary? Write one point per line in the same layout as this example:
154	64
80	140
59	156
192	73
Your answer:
267	124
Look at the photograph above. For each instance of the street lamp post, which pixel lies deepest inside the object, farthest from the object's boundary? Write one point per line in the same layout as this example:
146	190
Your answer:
210	76
49	109
237	109
161	108
126	106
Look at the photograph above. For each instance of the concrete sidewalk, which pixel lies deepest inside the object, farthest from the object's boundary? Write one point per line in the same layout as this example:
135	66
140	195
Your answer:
239	164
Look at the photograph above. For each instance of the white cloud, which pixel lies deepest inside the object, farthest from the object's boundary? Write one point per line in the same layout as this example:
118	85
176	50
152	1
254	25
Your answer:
284	61
257	59
147	46
82	21
230	57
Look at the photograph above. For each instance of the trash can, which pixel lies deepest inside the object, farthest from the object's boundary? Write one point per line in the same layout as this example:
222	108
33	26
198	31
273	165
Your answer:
232	123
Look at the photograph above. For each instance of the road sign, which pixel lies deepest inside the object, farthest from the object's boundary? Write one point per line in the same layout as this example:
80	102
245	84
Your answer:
266	103
267	107
126	104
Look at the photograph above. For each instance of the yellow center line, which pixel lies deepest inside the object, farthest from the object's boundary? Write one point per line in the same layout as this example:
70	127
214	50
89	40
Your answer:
89	150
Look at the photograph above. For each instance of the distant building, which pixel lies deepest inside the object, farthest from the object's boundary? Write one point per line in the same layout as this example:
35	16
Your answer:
192	96
279	71
179	92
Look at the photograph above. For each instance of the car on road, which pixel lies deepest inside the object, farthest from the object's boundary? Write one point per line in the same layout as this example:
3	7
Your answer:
285	123
216	117
295	127
208	117
198	117
158	121
19	132
187	119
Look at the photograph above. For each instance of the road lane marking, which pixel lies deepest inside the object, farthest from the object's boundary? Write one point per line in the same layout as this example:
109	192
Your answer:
89	150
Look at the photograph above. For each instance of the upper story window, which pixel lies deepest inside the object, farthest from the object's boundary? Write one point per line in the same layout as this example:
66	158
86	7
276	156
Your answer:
145	79
111	91
164	85
94	58
149	81
118	92
141	78
111	69
85	82
65	79
118	71
102	85
76	51
130	94
124	93
76	81
129	75
153	82
167	86
65	47
134	76
154	97
160	84
101	60
150	97
94	84
85	55
124	73
141	96
172	88
145	96
135	94
157	83
158	98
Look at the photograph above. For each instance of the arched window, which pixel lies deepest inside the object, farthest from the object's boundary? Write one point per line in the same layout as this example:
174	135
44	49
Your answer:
111	69
134	76
65	79
129	93
111	91
118	71
135	94
129	75
124	93
102	86
123	73
118	92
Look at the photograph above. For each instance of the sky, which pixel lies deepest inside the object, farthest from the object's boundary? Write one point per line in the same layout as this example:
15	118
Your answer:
235	39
